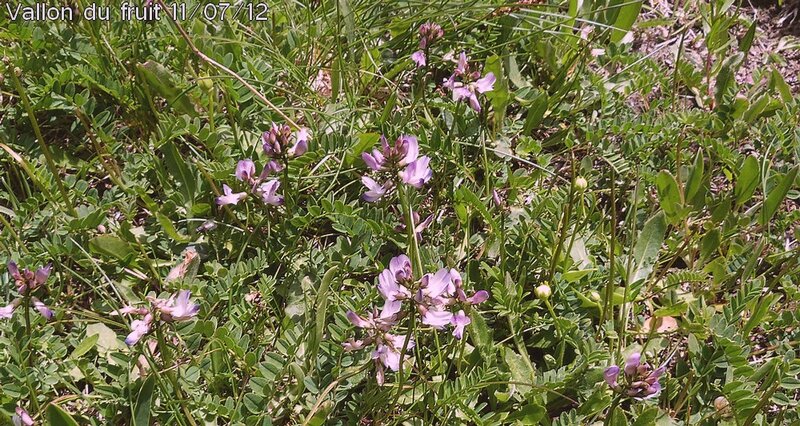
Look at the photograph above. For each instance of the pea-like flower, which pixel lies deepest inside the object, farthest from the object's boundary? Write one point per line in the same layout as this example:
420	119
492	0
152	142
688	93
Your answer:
280	142
640	380
28	282
21	417
266	191
392	162
177	308
269	192
470	83
387	345
375	191
391	285
417	173
229	197
245	170
428	33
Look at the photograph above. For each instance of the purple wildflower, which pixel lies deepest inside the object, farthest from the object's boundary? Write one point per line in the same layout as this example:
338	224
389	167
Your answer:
417	173
27	282
374	190
459	321
276	141
21	417
387	345
470	83
390	285
7	311
229	197
42	308
419	58
269	193
245	170
139	328
428	33
641	381
175	309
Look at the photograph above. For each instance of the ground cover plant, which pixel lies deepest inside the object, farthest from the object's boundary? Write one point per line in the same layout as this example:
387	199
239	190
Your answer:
362	212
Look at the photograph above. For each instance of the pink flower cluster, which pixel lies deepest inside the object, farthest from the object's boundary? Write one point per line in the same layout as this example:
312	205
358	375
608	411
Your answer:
175	309
428	33
640	380
279	144
27	283
465	83
400	160
433	297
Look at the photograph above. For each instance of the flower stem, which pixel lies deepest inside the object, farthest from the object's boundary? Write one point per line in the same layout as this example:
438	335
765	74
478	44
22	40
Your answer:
166	356
39	138
26	304
559	332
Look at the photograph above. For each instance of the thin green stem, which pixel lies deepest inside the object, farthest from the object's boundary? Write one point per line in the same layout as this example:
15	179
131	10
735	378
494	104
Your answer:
166	356
39	138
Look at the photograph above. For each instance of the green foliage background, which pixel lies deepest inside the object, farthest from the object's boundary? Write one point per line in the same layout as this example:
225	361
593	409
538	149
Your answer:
116	137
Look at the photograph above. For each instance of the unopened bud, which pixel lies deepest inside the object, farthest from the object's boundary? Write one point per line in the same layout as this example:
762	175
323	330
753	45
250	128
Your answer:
723	406
594	296
543	292
205	84
581	184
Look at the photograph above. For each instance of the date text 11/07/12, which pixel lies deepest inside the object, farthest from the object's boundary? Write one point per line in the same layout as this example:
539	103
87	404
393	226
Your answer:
221	11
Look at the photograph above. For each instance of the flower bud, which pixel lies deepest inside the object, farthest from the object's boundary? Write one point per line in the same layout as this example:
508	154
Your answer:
722	406
205	84
581	184
543	292
594	296
720	403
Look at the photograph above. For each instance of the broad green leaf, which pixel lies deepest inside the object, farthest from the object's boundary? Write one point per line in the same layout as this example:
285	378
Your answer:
709	243
159	80
776	196
647	417
670	195
169	228
321	305
528	415
466	195
179	169
573	276
481	334
85	346
536	111
725	77
671	311
783	89
747	41
520	370
499	96
107	339
648	244
109	245
141	410
695	181
56	416
626	16
747	181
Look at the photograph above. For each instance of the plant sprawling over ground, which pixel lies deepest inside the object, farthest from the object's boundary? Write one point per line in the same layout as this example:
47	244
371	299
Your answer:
363	212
